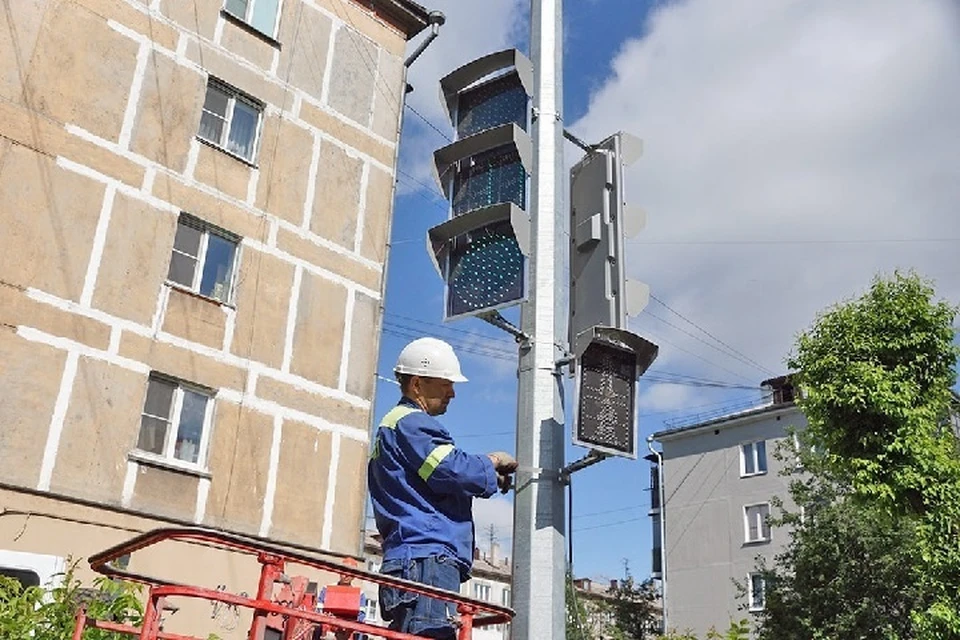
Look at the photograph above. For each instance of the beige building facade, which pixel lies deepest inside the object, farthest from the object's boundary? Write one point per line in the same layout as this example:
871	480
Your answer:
196	198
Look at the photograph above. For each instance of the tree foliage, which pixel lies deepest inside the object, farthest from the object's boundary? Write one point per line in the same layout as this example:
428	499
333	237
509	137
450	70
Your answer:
877	554
41	614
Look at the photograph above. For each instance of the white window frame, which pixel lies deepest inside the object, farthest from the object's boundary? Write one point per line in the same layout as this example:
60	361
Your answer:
234	94
481	589
167	458
246	19
49	568
370	609
751	602
752	444
760	528
206	229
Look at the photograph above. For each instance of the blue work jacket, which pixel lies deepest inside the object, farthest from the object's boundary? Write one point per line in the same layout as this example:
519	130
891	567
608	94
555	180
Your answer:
422	488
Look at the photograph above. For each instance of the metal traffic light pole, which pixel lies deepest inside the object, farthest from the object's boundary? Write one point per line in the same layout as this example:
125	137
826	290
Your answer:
539	508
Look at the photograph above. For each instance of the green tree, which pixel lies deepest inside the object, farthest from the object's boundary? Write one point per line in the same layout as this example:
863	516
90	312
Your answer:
634	608
877	555
34	612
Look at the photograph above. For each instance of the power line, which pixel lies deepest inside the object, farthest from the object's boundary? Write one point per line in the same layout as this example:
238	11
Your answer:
429	124
739	353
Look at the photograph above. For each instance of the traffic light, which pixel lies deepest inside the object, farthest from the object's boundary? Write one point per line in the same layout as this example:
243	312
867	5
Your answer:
480	252
608	358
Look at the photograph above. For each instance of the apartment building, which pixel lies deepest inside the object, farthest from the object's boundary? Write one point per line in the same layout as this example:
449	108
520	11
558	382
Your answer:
491	581
712	485
196	200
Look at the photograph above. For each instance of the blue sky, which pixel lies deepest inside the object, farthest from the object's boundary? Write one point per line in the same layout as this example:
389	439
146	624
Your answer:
792	150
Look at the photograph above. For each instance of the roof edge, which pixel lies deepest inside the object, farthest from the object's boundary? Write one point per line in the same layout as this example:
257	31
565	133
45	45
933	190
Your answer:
409	16
771	409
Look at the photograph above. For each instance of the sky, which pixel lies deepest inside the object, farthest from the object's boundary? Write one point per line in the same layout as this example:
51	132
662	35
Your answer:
793	149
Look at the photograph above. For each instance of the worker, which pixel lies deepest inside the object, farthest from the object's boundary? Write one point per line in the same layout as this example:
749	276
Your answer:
422	489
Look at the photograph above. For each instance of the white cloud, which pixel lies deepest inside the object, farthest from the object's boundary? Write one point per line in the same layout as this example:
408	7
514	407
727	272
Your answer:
802	120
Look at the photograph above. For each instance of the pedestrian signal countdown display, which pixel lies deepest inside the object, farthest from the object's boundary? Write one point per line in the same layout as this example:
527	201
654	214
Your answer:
606	399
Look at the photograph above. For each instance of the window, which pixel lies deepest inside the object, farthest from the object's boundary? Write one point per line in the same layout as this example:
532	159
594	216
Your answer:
259	14
175	424
755	522
505	597
481	591
753	458
230	120
203	259
371	610
757	594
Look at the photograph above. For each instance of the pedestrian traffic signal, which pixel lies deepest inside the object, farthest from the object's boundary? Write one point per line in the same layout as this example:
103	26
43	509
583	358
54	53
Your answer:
607	371
480	252
600	293
607	358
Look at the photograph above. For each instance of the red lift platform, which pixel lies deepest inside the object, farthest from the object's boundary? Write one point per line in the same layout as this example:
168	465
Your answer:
292	612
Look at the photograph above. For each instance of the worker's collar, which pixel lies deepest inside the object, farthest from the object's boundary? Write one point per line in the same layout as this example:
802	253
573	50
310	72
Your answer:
408	402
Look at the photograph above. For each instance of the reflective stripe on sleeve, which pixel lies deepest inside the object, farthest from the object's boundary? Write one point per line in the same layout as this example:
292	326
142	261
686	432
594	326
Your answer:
395	415
433	461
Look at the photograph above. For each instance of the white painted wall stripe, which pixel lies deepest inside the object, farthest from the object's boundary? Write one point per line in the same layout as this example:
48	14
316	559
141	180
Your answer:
56	421
271	490
129	483
230	326
203	491
328	67
115	334
214	354
311	183
193	156
80	349
133	100
362	208
312	268
329	504
347	337
291	319
270	408
327	244
99	241
252	188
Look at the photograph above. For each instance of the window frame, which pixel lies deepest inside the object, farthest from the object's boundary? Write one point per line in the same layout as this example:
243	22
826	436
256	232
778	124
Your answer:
752	444
246	20
481	588
751	600
762	525
233	93
206	229
167	458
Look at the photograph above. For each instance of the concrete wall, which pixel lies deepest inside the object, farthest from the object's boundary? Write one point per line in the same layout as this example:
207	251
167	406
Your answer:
100	104
705	499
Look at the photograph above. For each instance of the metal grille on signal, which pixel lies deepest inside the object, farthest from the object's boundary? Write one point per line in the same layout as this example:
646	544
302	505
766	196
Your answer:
606	411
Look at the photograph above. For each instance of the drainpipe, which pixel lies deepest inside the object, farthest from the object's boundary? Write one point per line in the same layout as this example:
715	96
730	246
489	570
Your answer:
663	531
436	20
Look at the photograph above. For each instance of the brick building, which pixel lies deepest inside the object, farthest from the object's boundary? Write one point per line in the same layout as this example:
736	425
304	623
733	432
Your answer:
196	198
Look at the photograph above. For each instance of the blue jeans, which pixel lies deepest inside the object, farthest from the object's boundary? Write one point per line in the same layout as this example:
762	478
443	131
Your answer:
409	612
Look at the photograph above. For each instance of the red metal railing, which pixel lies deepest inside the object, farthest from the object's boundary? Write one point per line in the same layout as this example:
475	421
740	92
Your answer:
273	560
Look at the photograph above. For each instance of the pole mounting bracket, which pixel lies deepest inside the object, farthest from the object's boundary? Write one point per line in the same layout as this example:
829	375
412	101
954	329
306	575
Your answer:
496	319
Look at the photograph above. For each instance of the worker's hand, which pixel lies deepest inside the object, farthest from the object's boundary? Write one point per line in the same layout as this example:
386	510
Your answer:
505	482
503	463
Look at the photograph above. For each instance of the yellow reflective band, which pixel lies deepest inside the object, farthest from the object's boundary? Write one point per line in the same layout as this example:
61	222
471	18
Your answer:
433	461
395	415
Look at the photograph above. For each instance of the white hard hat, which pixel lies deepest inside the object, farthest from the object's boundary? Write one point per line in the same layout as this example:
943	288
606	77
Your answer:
429	358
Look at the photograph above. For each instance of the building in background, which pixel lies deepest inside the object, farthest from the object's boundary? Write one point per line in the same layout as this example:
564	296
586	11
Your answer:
718	477
196	199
